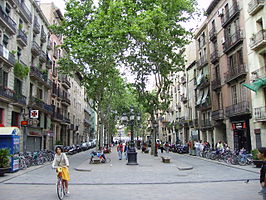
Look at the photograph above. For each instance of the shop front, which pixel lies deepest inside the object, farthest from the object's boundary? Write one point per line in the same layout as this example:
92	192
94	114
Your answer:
241	134
34	140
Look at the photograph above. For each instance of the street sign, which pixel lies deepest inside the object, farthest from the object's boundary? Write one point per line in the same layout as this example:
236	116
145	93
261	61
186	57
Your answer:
34	114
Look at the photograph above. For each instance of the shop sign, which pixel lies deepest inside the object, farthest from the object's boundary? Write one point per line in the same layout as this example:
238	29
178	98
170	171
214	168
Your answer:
34	114
33	133
239	125
24	123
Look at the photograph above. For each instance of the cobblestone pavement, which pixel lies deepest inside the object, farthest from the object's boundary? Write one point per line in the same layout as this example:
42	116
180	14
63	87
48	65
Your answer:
151	179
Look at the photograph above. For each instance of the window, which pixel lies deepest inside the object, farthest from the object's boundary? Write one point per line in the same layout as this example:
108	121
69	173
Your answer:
217	72
45	121
19	53
239	57
5	40
20	24
31	90
15	119
219	100
18	86
213	24
234	94
3	78
1	116
8	9
39	93
243	91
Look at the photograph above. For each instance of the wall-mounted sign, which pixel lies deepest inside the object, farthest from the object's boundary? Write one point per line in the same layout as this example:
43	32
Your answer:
34	114
239	125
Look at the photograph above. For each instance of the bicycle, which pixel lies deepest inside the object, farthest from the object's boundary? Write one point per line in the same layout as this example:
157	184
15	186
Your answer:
60	188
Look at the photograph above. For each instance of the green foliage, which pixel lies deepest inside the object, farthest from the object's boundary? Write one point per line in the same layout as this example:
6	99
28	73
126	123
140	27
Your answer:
20	70
254	153
4	158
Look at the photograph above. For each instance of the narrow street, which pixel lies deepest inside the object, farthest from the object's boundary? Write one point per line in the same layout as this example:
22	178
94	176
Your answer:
151	179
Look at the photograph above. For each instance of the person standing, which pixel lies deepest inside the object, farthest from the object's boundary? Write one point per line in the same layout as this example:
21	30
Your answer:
126	150
167	147
119	150
262	156
61	160
197	147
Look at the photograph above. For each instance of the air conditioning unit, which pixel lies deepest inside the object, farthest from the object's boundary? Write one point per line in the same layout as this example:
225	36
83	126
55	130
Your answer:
222	40
220	12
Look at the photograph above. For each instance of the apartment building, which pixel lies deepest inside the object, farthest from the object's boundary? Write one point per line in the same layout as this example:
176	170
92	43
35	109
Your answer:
255	23
24	32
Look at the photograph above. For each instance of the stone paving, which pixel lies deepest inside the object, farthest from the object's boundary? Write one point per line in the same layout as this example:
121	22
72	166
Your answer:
151	179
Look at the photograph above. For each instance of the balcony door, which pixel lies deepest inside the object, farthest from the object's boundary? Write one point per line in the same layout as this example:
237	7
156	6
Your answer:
234	94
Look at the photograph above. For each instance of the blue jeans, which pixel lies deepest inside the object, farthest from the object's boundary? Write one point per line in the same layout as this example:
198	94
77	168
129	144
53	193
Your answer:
120	155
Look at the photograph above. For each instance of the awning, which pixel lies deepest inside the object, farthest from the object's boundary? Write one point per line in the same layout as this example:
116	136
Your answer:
204	98
199	98
9	131
255	86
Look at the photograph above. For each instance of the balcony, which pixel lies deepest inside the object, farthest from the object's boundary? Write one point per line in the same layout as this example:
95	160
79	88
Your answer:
57	116
7	57
40	105
234	73
216	83
259	73
254	6
214	57
49	63
206	105
65	99
25	13
218	115
260	113
230	15
35	73
233	40
204	82
258	40
43	36
9	23
202	62
19	99
213	34
36	26
241	108
65	82
43	56
6	94
22	38
65	121
35	48
206	124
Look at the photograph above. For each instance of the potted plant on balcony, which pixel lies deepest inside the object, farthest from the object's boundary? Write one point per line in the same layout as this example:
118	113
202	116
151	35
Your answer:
20	70
4	161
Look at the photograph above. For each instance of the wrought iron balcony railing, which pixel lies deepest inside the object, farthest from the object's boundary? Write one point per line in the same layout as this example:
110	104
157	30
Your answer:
240	108
254	6
258	40
235	72
6	56
230	14
8	22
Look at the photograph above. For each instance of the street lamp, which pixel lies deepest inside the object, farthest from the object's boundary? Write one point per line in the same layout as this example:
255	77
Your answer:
132	154
155	124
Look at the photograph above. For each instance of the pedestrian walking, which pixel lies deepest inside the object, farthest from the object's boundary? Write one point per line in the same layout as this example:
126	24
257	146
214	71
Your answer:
167	147
161	147
197	147
126	150
262	156
119	150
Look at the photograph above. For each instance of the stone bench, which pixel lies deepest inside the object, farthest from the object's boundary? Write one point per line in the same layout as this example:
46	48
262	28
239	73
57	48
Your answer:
165	159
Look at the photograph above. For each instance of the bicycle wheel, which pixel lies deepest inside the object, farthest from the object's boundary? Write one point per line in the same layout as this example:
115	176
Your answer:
60	189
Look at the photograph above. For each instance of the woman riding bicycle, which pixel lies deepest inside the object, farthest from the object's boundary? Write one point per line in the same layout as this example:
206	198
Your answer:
61	160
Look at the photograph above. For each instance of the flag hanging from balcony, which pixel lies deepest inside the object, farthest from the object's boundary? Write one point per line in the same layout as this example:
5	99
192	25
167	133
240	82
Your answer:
256	85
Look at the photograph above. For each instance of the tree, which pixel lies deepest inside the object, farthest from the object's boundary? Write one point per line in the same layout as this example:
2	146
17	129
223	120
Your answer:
144	36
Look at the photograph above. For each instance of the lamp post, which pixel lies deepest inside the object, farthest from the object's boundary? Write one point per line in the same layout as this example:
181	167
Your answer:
132	154
155	124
